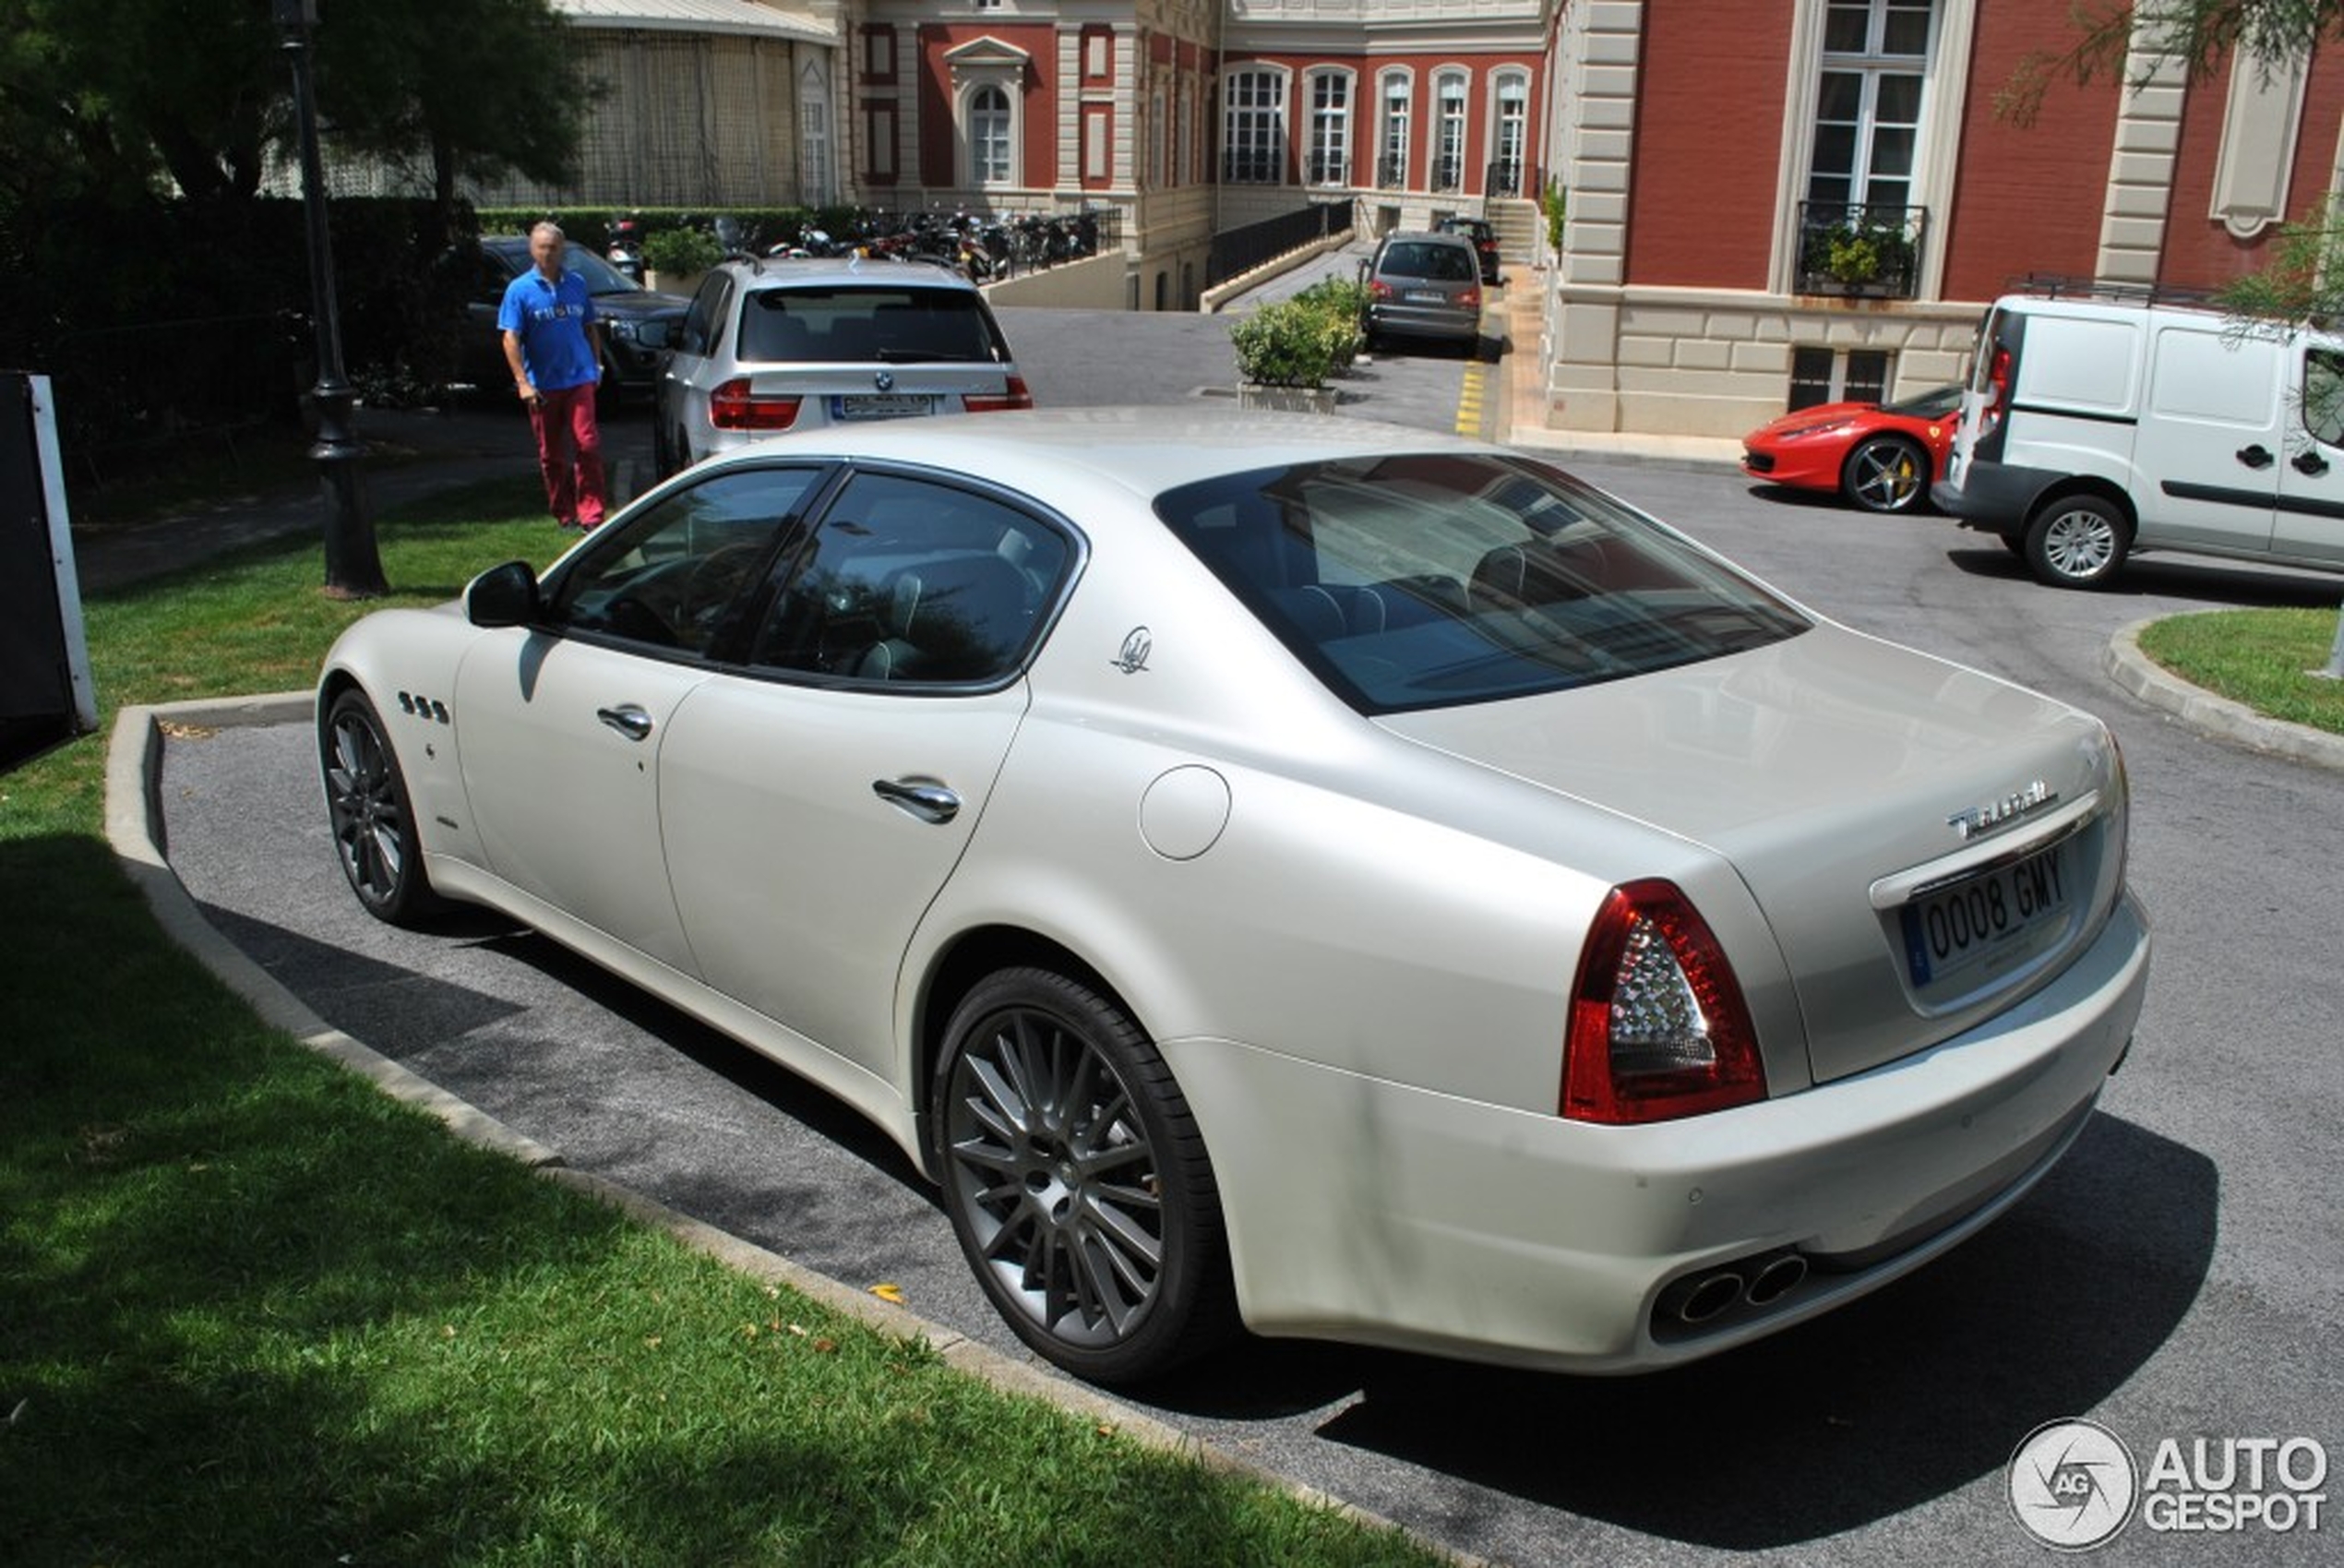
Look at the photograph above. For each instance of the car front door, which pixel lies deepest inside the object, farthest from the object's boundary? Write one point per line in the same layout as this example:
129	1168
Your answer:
814	804
2311	491
561	723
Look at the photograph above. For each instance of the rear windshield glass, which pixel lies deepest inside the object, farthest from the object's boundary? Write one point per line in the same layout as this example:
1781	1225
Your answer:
1415	259
861	326
1429	580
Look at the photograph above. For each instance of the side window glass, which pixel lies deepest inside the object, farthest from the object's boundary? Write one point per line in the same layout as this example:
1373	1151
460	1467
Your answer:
700	322
2324	395
909	580
666	577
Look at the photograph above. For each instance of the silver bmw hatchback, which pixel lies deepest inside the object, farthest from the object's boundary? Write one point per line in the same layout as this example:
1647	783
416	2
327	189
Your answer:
774	344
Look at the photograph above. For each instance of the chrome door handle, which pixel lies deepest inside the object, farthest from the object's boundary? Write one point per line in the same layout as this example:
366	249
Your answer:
2311	463
628	720
928	802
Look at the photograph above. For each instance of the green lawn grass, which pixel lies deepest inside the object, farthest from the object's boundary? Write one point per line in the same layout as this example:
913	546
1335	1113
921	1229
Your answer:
2258	657
251	1312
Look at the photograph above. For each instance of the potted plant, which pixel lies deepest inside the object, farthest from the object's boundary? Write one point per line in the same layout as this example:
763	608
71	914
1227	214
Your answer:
1285	354
675	258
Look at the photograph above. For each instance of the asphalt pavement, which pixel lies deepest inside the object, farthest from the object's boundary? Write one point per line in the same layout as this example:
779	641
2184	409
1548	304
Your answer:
2176	1276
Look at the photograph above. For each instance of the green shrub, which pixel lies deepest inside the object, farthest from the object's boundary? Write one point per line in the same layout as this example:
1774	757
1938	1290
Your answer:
681	251
1284	344
1555	205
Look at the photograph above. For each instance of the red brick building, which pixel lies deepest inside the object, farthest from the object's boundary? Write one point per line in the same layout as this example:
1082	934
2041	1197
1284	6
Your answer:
1776	201
1192	117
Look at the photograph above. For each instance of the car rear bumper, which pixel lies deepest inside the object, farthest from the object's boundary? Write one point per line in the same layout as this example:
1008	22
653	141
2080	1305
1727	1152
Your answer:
1407	321
1365	1210
1992	496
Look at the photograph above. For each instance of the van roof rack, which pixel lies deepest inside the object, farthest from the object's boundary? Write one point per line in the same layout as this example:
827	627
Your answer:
2059	285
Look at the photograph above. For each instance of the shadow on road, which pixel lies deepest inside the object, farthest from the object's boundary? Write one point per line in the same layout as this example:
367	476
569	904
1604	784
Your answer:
2199	578
1908	1394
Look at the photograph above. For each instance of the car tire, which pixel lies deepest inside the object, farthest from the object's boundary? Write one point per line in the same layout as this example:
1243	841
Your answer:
1886	474
372	818
2077	542
1077	1180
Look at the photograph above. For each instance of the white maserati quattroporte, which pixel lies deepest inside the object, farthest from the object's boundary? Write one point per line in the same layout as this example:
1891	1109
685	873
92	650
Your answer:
1286	872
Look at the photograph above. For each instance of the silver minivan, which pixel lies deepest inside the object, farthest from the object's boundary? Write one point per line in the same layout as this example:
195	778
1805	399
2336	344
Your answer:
773	344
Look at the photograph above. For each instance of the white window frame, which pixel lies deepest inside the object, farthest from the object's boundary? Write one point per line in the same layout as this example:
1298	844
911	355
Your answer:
1330	129
1510	85
817	171
1451	115
1261	112
1871	67
976	121
1159	139
1395	131
1944	93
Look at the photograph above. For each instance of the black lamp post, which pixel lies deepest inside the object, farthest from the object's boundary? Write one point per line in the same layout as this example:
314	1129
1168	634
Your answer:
354	567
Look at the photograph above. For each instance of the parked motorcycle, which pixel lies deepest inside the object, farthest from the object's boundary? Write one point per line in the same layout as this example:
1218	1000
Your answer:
626	250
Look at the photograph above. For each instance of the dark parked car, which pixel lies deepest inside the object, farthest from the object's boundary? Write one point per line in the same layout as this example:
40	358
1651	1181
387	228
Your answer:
639	325
1482	234
1425	285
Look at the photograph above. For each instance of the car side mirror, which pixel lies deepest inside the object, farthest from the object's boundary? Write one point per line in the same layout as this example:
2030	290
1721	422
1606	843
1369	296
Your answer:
505	596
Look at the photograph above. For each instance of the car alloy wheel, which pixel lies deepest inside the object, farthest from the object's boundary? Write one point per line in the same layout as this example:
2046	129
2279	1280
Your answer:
1077	1182
374	825
2076	542
1886	474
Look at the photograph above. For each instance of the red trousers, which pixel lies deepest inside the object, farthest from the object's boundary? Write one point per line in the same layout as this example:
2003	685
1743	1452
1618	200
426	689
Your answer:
570	453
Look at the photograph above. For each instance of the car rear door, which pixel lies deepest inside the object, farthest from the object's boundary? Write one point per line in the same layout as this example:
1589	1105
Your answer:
813	804
2211	448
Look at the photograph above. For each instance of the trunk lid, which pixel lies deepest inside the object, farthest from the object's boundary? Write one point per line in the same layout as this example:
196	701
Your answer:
1875	801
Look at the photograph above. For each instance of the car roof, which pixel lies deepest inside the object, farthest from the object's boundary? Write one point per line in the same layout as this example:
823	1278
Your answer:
796	272
1143	450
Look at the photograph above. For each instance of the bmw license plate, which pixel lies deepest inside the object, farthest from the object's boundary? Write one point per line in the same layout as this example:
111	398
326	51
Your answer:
1985	923
882	405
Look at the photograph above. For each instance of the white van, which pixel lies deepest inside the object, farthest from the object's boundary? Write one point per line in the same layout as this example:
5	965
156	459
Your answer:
2095	426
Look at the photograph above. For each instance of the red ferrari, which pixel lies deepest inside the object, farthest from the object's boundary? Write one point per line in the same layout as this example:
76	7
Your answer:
1881	456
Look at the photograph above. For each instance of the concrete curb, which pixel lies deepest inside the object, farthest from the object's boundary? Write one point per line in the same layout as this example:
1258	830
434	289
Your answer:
2208	714
134	827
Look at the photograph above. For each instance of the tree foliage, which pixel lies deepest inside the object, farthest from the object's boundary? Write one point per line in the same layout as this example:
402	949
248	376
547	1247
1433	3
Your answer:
2196	33
192	97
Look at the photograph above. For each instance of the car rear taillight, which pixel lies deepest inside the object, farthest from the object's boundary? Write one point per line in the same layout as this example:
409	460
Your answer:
1016	395
734	406
1470	299
1658	1028
1998	378
1379	289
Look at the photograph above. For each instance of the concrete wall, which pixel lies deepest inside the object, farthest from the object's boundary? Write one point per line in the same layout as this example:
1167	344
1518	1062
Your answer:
1098	283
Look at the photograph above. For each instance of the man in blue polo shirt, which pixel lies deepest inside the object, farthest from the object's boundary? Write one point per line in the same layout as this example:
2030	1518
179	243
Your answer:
552	341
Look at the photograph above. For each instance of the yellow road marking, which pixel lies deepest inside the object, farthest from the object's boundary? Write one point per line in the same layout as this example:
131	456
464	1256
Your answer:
1469	399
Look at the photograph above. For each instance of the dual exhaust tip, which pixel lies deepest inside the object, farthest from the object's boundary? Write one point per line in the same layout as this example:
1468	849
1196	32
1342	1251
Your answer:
1758	1282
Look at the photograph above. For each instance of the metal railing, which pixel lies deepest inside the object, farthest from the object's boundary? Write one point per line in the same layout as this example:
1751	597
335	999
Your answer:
1242	250
1859	250
1391	173
1502	178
